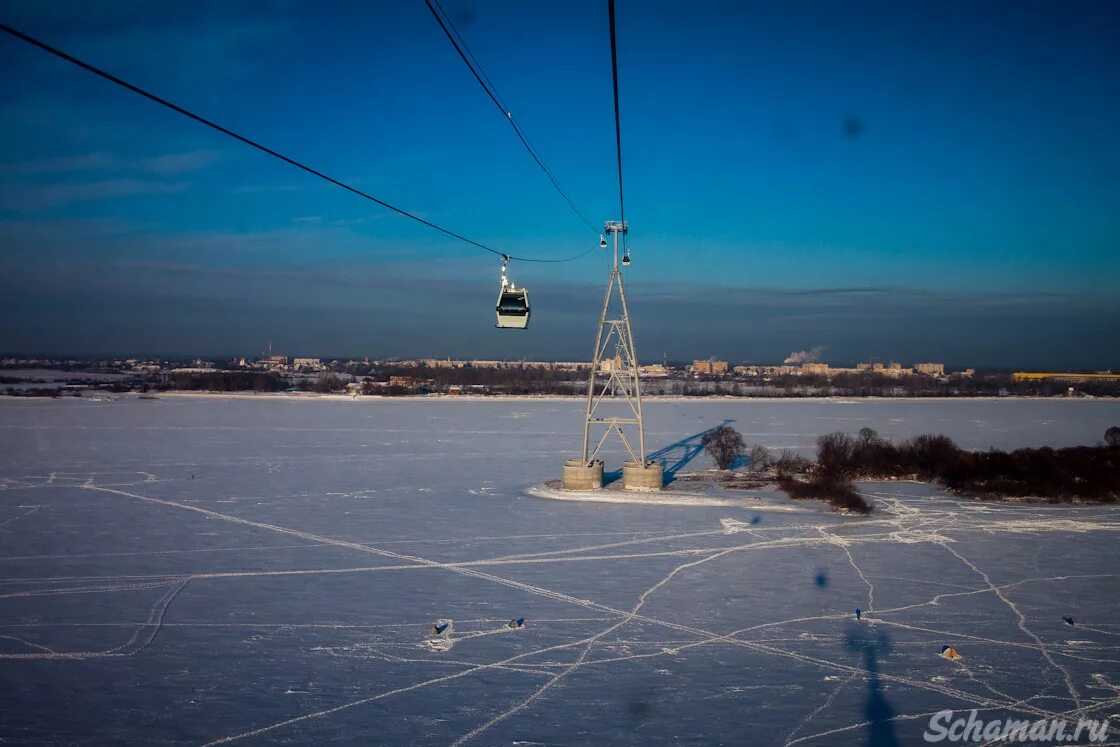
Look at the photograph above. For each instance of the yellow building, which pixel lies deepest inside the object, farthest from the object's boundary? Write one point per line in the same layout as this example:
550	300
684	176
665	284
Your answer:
1071	378
611	364
711	367
930	369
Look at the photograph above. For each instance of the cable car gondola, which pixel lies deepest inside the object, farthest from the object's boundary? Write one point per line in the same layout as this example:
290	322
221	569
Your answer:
513	303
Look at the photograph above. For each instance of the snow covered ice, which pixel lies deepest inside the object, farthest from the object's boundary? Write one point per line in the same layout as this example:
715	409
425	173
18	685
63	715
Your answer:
198	570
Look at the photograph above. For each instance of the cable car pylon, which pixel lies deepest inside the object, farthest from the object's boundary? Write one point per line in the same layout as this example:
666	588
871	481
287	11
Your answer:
614	396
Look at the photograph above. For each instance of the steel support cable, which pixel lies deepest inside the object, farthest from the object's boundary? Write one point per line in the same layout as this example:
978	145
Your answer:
477	64
479	74
264	149
617	118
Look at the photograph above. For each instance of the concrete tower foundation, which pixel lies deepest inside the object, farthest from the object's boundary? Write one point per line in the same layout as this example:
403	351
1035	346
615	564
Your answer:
579	476
646	478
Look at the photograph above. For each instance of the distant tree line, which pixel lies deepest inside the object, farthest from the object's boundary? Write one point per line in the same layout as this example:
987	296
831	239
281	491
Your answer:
494	380
227	381
55	391
324	383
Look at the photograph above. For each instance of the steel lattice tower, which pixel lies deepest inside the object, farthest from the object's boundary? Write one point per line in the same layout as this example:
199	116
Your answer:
613	383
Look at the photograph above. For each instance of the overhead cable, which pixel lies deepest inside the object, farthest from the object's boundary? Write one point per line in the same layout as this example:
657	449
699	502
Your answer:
617	118
264	149
479	74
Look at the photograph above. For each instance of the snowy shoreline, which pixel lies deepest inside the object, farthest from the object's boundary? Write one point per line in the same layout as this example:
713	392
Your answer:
664	498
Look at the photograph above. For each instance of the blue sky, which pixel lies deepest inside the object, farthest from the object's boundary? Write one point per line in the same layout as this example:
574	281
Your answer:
901	180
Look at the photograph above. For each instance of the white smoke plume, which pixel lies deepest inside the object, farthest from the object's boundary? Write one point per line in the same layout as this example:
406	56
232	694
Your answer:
805	356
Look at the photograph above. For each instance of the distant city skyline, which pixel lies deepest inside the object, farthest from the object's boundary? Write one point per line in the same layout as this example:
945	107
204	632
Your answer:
280	359
909	181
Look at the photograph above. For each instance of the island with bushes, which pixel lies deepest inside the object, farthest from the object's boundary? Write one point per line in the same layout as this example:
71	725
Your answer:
1074	474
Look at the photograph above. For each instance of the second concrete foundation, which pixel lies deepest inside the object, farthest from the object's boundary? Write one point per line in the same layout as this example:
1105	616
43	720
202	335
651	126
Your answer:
643	478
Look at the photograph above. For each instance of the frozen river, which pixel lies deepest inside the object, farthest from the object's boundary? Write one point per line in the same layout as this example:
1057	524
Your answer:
198	570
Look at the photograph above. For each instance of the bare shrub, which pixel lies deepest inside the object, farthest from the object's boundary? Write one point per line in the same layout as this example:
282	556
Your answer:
723	443
834	455
838	494
931	456
760	458
790	463
328	382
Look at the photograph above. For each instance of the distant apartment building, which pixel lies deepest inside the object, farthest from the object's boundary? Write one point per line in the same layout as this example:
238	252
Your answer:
311	364
813	368
892	370
443	363
607	365
653	371
714	368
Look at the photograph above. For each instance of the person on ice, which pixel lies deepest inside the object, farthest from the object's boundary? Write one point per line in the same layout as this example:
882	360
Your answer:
517	623
858	613
1067	620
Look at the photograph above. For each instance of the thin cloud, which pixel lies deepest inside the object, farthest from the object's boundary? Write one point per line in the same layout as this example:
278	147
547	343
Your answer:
860	299
255	188
38	197
65	164
164	164
178	163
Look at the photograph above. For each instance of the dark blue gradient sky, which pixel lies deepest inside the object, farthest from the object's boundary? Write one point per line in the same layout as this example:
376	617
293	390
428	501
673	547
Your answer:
902	180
